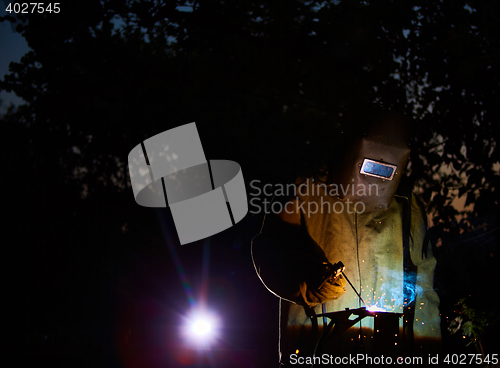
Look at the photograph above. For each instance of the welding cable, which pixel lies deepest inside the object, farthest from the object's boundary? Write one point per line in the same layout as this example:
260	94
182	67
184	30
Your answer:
320	338
257	269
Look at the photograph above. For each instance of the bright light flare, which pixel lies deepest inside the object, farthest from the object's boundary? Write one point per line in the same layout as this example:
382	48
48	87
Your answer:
201	328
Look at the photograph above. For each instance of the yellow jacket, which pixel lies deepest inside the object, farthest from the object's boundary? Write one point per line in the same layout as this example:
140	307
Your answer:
316	227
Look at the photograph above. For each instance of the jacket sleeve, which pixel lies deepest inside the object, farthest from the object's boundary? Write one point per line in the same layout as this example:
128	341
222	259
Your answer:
290	264
427	323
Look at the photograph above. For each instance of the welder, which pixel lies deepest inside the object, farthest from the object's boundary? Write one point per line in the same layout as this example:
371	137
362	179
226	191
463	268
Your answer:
319	257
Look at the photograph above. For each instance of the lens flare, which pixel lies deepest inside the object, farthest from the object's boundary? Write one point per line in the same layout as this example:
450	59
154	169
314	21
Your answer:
201	328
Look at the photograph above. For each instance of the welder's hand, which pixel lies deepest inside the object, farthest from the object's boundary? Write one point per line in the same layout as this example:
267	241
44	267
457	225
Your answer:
331	272
319	272
331	289
326	284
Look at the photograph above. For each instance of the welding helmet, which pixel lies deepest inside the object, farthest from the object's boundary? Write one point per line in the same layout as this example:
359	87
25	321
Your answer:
370	168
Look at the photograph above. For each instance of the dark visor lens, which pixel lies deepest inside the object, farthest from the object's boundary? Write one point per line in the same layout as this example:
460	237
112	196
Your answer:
378	169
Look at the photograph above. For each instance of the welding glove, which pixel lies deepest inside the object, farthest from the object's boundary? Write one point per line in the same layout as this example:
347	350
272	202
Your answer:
322	284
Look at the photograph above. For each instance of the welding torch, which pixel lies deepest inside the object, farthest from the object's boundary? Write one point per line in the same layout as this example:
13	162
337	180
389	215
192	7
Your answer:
332	271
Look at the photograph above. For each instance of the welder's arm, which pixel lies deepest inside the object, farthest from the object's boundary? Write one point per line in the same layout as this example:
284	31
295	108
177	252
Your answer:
427	323
427	317
292	265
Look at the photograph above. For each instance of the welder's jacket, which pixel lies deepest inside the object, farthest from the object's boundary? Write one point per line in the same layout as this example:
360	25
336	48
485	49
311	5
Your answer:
370	245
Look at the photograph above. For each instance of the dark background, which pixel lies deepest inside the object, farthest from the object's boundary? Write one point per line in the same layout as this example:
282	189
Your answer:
96	280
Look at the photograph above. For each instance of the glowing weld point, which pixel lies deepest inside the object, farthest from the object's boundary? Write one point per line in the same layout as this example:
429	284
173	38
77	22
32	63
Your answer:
375	308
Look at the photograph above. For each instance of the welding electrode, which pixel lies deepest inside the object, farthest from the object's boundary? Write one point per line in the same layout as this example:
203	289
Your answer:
342	267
